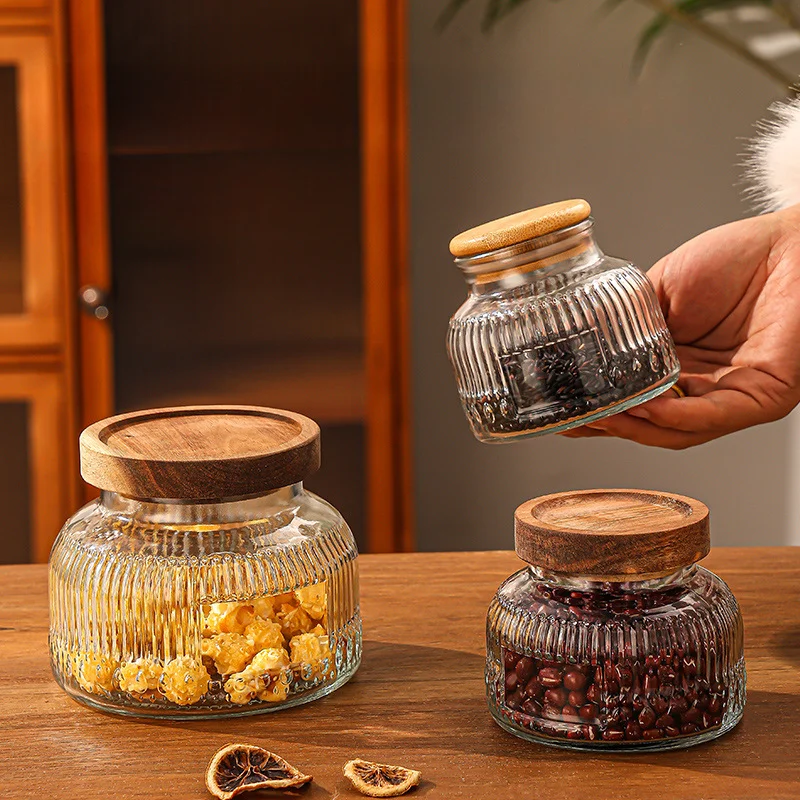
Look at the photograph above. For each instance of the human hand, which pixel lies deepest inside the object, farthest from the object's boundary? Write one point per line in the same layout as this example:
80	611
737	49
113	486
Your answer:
731	298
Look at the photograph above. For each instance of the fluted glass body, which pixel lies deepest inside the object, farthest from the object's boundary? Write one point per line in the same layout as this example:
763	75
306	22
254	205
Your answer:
650	664
176	609
554	335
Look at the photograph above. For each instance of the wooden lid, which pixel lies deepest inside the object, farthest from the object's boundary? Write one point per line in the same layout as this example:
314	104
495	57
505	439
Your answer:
612	533
199	452
519	227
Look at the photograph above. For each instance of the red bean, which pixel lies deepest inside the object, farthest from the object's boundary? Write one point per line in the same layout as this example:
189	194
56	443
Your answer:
576	699
647	718
511	681
653	733
593	693
660	705
665	721
510	659
688	728
574	679
525	669
569	713
556	697
613	734
550	677
589	711
633	731
715	705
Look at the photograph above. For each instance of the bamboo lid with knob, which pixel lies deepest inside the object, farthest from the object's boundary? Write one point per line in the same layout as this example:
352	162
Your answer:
609	534
199	452
519	227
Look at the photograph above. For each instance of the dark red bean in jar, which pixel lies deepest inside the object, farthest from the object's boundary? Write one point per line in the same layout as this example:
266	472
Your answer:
656	659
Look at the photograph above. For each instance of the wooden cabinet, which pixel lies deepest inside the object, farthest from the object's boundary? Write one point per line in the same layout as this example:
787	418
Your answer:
38	480
239	224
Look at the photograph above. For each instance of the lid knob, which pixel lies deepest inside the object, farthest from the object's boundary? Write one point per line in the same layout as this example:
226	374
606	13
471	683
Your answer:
199	452
612	533
519	227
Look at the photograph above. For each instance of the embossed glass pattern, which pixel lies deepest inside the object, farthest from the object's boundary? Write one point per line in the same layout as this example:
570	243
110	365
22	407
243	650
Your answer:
555	334
646	664
140	591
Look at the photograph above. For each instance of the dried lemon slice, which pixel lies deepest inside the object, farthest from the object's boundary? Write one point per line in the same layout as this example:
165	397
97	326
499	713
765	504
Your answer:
241	768
380	780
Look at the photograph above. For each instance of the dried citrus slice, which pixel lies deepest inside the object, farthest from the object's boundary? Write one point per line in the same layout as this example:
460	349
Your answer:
380	780
241	768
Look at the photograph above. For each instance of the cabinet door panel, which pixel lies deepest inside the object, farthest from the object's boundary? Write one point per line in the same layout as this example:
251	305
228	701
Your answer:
29	196
34	490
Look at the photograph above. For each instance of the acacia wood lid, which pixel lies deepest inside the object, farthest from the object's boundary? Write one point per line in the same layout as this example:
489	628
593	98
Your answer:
519	227
612	533
199	452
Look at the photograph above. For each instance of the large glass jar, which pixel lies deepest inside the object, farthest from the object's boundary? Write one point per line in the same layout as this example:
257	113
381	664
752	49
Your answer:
236	595
554	333
614	637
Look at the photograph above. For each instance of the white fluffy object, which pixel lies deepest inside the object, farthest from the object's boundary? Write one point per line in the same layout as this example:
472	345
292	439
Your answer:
773	161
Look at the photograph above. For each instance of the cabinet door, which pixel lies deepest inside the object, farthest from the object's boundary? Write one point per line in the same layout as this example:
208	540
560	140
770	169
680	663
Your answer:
29	202
33	492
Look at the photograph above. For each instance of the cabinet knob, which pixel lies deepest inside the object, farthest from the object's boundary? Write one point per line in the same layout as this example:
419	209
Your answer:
94	302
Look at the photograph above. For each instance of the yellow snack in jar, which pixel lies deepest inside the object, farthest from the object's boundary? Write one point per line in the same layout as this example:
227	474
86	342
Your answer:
228	618
294	620
94	672
230	651
263	634
313	599
310	649
271	659
138	676
244	686
184	680
264	608
276	690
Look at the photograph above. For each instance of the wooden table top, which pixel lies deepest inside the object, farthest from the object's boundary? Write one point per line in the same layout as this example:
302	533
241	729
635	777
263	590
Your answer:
418	700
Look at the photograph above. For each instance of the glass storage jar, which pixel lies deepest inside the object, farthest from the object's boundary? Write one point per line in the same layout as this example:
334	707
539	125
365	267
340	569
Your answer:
614	637
554	333
205	580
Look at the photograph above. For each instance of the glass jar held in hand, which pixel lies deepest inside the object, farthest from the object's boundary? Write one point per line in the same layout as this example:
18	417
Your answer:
554	334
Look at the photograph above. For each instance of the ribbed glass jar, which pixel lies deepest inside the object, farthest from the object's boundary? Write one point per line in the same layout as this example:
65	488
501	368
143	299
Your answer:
641	663
554	333
192	608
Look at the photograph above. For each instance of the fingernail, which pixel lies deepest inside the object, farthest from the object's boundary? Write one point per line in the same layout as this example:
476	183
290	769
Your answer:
639	412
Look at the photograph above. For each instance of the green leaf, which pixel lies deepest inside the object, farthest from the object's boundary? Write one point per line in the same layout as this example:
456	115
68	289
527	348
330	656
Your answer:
691	8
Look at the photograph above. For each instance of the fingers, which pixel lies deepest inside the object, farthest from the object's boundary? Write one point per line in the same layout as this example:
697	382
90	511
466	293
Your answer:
583	432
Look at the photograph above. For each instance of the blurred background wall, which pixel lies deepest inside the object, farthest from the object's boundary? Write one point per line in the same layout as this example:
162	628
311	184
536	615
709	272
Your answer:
541	109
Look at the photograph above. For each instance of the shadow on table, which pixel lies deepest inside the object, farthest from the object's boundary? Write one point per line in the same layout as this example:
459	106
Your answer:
786	646
429	699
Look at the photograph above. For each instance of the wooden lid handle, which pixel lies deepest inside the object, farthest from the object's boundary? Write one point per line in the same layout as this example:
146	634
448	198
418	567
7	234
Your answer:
519	227
610	533
199	452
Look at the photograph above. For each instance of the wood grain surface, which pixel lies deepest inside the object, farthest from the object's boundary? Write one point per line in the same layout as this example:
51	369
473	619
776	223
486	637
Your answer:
519	227
418	700
612	534
199	452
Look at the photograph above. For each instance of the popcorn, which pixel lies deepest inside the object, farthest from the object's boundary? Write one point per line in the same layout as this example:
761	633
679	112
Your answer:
313	599
184	680
262	634
259	679
138	676
270	660
294	620
231	651
94	672
228	618
311	649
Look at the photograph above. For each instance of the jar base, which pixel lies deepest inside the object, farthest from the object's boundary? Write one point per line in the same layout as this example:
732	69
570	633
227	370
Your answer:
676	743
98	704
651	393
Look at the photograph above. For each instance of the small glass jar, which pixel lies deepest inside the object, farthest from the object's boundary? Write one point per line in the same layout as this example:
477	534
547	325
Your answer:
614	638
236	595
554	333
